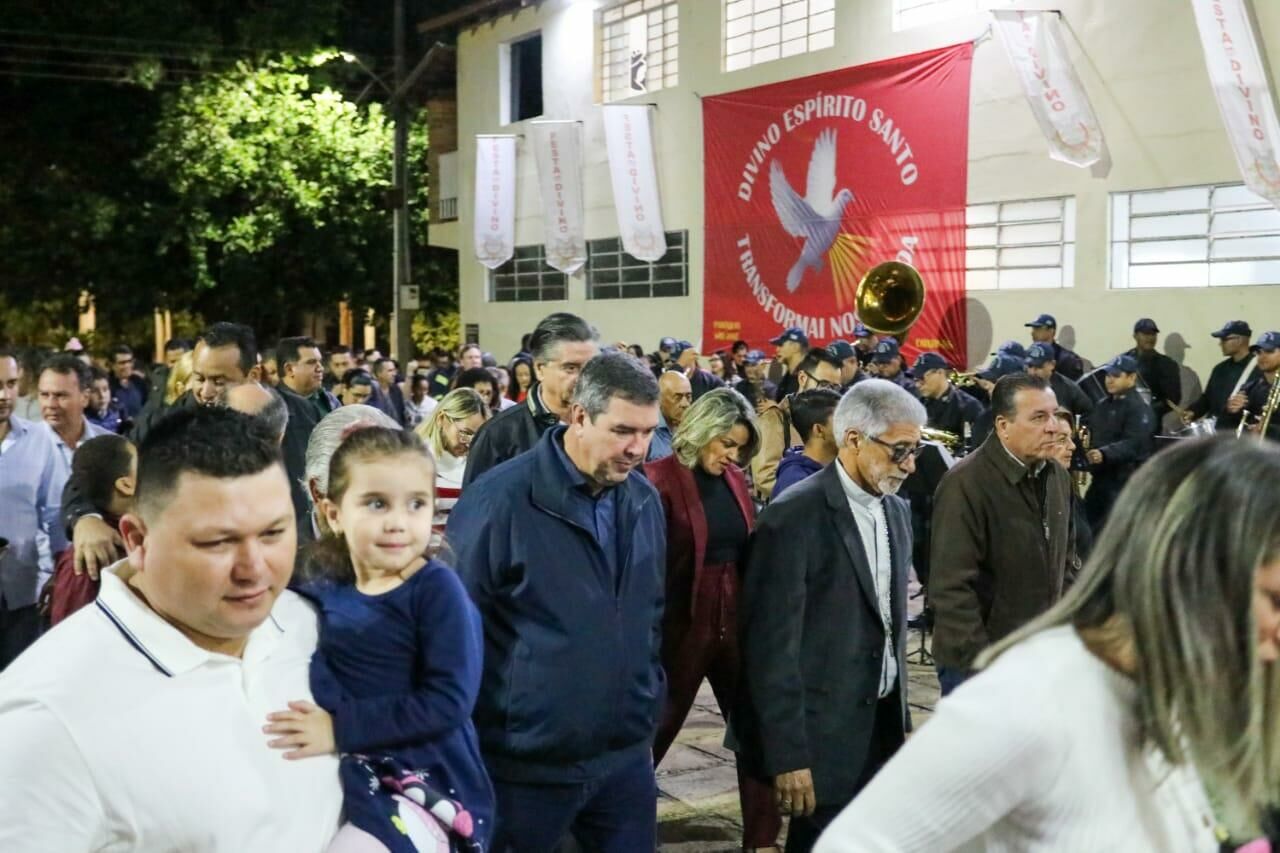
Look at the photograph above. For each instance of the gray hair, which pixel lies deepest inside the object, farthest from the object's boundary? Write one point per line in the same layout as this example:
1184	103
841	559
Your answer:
326	437
556	329
713	415
1172	578
275	415
873	406
612	374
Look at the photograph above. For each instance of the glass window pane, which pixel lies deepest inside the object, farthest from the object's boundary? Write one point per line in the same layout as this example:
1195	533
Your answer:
737	9
765	54
795	29
1247	222
1169	275
1174	225
1120	216
823	21
1021	211
1237	195
980	279
1025	279
1031	256
765	5
981	236
1120	265
795	12
1225	274
1163	201
1040	232
1069	220
1168	251
794	47
980	258
980	214
822	40
1247	247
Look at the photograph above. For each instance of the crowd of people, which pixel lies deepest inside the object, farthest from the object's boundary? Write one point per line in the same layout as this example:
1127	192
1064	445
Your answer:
305	598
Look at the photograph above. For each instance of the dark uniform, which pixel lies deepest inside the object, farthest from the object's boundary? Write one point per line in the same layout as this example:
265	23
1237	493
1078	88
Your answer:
1070	395
1256	391
1121	428
701	381
905	382
1222	380
953	411
1068	363
1163	377
787	386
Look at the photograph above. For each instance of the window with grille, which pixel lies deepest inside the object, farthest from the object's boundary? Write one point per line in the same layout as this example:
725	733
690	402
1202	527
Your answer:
758	31
1207	236
639	47
527	278
1013	245
918	13
613	274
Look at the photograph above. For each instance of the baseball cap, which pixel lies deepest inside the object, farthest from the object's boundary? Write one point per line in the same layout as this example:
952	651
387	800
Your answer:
667	344
680	347
1044	320
1121	364
1040	354
842	349
1012	348
860	331
885	351
795	333
1146	324
927	361
1001	365
1234	327
755	356
1269	341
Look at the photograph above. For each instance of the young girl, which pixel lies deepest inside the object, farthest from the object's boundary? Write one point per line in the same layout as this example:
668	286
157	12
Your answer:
398	664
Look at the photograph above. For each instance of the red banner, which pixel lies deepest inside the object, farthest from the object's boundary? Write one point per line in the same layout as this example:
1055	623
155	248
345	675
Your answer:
811	182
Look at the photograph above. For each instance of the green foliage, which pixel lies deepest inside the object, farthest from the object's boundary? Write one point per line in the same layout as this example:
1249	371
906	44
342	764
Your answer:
441	330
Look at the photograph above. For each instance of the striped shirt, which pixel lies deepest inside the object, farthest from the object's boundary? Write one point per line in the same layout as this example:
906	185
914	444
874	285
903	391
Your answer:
449	471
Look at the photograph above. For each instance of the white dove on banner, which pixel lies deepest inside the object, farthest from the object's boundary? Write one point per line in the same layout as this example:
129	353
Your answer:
817	216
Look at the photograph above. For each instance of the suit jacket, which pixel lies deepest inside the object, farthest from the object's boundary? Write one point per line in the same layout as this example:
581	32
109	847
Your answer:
997	560
687	528
812	637
303	417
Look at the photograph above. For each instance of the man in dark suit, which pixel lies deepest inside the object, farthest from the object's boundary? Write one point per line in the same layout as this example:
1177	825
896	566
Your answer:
824	616
302	388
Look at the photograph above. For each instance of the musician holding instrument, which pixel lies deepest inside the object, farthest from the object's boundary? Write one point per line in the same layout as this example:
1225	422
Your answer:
1160	372
1120	427
1228	376
950	409
1042	361
1258	396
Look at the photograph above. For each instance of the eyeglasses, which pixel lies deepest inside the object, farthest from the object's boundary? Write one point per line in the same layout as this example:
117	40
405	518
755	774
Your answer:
898	453
463	432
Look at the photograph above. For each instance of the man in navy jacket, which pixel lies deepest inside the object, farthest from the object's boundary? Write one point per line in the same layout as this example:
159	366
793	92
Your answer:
563	550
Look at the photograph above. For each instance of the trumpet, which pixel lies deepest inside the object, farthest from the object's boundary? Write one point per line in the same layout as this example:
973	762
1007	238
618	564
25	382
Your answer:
949	440
963	380
1269	408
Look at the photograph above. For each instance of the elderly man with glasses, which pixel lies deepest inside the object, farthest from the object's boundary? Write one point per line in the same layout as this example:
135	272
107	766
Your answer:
824	616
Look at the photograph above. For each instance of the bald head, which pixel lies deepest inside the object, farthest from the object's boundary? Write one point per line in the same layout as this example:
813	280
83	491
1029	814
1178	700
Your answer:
253	399
675	395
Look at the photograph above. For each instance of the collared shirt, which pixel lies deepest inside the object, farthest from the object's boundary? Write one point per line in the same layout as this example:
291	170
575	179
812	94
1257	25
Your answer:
1031	474
603	508
32	475
91	430
873	530
141	740
660	444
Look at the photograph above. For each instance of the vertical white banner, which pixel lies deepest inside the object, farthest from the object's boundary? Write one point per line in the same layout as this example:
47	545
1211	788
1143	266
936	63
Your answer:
629	139
1240	84
557	148
1058	100
495	211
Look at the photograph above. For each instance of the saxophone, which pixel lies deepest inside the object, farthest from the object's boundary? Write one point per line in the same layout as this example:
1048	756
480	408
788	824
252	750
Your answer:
1269	407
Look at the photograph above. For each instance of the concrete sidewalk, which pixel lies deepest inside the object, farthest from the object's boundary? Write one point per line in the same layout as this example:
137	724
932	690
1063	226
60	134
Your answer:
698	786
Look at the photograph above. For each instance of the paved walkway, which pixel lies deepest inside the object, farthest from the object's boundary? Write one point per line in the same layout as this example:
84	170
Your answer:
698	787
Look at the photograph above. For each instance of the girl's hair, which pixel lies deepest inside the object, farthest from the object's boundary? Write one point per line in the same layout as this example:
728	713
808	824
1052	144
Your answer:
713	415
179	375
513	388
458	405
328	558
1173	576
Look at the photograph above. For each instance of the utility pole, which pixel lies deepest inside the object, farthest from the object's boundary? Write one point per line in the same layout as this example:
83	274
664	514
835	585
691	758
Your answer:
402	273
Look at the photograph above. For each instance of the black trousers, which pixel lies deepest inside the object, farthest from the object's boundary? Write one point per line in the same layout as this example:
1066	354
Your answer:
886	738
19	628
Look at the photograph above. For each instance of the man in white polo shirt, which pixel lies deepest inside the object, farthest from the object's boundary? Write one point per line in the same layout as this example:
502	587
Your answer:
137	723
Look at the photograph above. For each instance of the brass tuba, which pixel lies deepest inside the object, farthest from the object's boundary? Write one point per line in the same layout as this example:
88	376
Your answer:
890	298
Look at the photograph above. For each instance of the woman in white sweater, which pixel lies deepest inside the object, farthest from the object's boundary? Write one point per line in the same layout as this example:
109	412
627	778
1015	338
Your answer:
1101	725
448	432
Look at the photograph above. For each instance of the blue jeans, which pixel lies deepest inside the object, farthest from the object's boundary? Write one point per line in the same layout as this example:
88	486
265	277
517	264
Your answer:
617	813
949	679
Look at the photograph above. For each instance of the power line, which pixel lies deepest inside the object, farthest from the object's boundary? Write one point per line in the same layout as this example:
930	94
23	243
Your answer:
119	81
103	66
53	48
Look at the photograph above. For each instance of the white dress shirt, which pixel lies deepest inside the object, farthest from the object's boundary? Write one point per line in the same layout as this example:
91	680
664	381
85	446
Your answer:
873	530
118	733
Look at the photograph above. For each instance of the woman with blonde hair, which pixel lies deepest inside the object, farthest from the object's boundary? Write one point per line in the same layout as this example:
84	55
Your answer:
179	380
709	514
1139	713
448	433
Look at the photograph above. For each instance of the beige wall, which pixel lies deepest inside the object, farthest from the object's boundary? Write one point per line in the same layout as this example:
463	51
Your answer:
1140	62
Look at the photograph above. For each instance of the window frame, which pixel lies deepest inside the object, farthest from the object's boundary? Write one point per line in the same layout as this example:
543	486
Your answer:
613	58
753	20
596	253
544	277
1022	219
